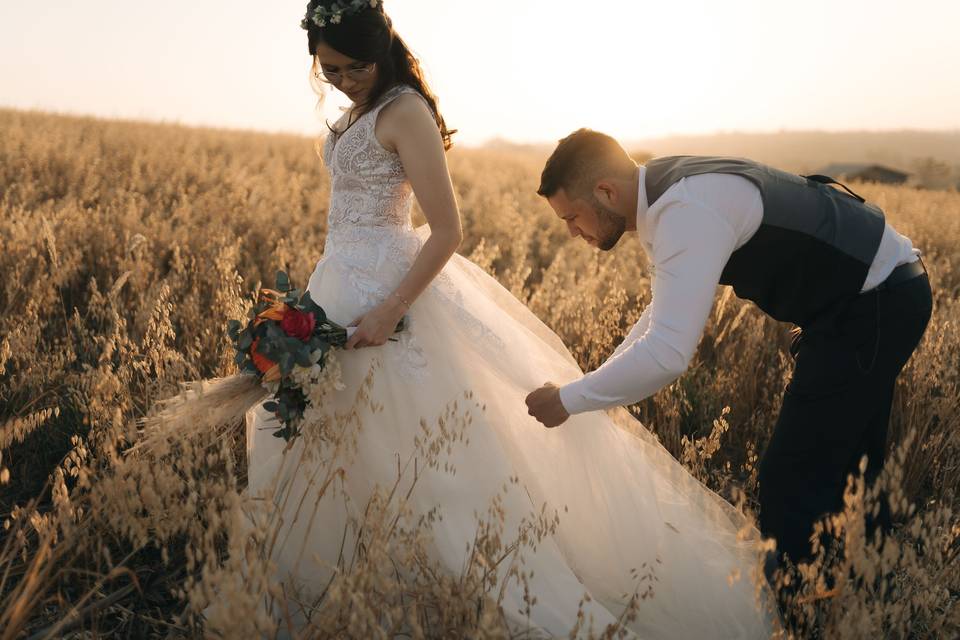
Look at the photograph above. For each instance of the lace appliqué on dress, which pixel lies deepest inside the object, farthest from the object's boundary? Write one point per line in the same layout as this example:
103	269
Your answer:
477	330
409	359
370	237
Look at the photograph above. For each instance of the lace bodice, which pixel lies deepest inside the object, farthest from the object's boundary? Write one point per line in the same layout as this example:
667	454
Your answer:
368	186
371	243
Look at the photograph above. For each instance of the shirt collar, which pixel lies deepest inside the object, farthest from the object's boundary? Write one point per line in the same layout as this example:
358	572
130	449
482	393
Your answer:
642	204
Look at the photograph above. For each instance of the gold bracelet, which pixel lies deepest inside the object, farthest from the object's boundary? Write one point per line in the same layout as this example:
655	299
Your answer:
402	300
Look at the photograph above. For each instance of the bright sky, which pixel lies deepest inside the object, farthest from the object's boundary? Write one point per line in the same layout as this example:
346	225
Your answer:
527	70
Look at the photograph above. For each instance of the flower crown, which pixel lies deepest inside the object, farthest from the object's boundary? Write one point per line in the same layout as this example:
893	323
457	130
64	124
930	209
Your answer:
322	16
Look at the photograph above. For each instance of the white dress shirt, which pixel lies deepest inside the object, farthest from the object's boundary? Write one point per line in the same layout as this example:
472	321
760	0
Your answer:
689	234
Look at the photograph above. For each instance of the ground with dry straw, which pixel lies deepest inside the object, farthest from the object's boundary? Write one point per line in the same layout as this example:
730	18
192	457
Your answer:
124	247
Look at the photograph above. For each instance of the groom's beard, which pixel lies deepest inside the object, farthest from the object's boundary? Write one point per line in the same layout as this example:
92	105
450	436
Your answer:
610	226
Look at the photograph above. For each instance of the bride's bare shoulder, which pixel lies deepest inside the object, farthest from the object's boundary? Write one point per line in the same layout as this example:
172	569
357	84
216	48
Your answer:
406	114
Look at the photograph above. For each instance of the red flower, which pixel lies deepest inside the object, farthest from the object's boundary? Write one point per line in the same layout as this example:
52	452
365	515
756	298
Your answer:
297	324
260	361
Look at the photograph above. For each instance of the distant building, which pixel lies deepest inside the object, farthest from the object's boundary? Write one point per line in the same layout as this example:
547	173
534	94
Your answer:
865	172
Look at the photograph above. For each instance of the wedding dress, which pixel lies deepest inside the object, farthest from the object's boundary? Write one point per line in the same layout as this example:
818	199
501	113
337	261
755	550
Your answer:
623	501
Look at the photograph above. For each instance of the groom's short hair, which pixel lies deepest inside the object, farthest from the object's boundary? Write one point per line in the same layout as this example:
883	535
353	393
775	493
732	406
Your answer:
581	160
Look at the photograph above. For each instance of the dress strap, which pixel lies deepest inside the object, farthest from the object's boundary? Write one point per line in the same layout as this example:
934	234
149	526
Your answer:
389	96
371	116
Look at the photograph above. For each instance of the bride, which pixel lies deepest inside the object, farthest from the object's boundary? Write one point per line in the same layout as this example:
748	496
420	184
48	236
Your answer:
631	519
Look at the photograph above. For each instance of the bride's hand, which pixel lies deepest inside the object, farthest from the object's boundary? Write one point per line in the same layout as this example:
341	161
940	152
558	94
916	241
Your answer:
376	326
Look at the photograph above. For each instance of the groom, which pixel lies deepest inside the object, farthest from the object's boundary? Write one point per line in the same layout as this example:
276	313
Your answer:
802	251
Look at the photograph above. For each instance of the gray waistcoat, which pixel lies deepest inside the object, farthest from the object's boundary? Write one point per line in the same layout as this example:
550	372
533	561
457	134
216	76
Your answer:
814	246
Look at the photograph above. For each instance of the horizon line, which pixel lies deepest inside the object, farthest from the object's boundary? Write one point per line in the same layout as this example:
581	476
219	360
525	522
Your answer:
491	140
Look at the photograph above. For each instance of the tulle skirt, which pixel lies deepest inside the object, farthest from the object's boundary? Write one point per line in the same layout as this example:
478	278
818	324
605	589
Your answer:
631	518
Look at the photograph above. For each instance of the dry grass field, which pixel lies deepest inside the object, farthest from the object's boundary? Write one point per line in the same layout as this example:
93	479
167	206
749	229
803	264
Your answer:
124	248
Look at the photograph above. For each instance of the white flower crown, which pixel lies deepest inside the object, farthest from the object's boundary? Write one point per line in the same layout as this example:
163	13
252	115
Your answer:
322	16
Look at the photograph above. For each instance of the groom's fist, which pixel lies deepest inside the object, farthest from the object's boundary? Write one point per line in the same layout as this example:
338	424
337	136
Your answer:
544	405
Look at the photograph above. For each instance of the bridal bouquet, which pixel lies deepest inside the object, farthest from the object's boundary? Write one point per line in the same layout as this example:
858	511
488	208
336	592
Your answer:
287	329
283	346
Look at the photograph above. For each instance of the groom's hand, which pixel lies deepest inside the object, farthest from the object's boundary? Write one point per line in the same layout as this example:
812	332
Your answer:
544	405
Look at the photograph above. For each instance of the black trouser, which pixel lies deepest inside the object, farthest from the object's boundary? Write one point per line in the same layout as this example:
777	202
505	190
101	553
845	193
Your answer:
836	409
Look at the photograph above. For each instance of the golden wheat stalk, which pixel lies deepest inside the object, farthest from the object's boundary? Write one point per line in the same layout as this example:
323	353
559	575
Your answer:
819	595
202	407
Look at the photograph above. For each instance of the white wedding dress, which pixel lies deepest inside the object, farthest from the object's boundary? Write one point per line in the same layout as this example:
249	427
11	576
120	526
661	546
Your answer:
624	502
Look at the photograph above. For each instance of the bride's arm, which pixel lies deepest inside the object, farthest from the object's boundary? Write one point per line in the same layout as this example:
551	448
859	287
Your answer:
407	127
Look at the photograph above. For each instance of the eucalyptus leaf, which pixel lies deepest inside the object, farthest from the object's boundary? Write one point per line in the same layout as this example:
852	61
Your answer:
308	305
270	350
319	344
303	356
283	281
271	406
292	345
286	363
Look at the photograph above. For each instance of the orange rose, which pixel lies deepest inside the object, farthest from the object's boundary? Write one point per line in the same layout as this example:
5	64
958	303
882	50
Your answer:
261	362
275	313
269	295
273	374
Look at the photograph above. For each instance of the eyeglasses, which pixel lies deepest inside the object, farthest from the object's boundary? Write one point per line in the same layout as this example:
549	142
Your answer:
356	74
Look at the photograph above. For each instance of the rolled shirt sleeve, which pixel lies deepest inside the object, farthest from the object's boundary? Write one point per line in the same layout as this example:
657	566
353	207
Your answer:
691	245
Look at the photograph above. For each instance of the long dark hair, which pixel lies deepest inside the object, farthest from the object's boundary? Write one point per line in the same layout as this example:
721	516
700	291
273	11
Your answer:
368	36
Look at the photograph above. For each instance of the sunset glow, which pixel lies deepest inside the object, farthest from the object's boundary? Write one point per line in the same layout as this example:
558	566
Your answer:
530	70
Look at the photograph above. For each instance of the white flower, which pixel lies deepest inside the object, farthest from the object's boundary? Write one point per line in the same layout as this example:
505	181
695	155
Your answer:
335	12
